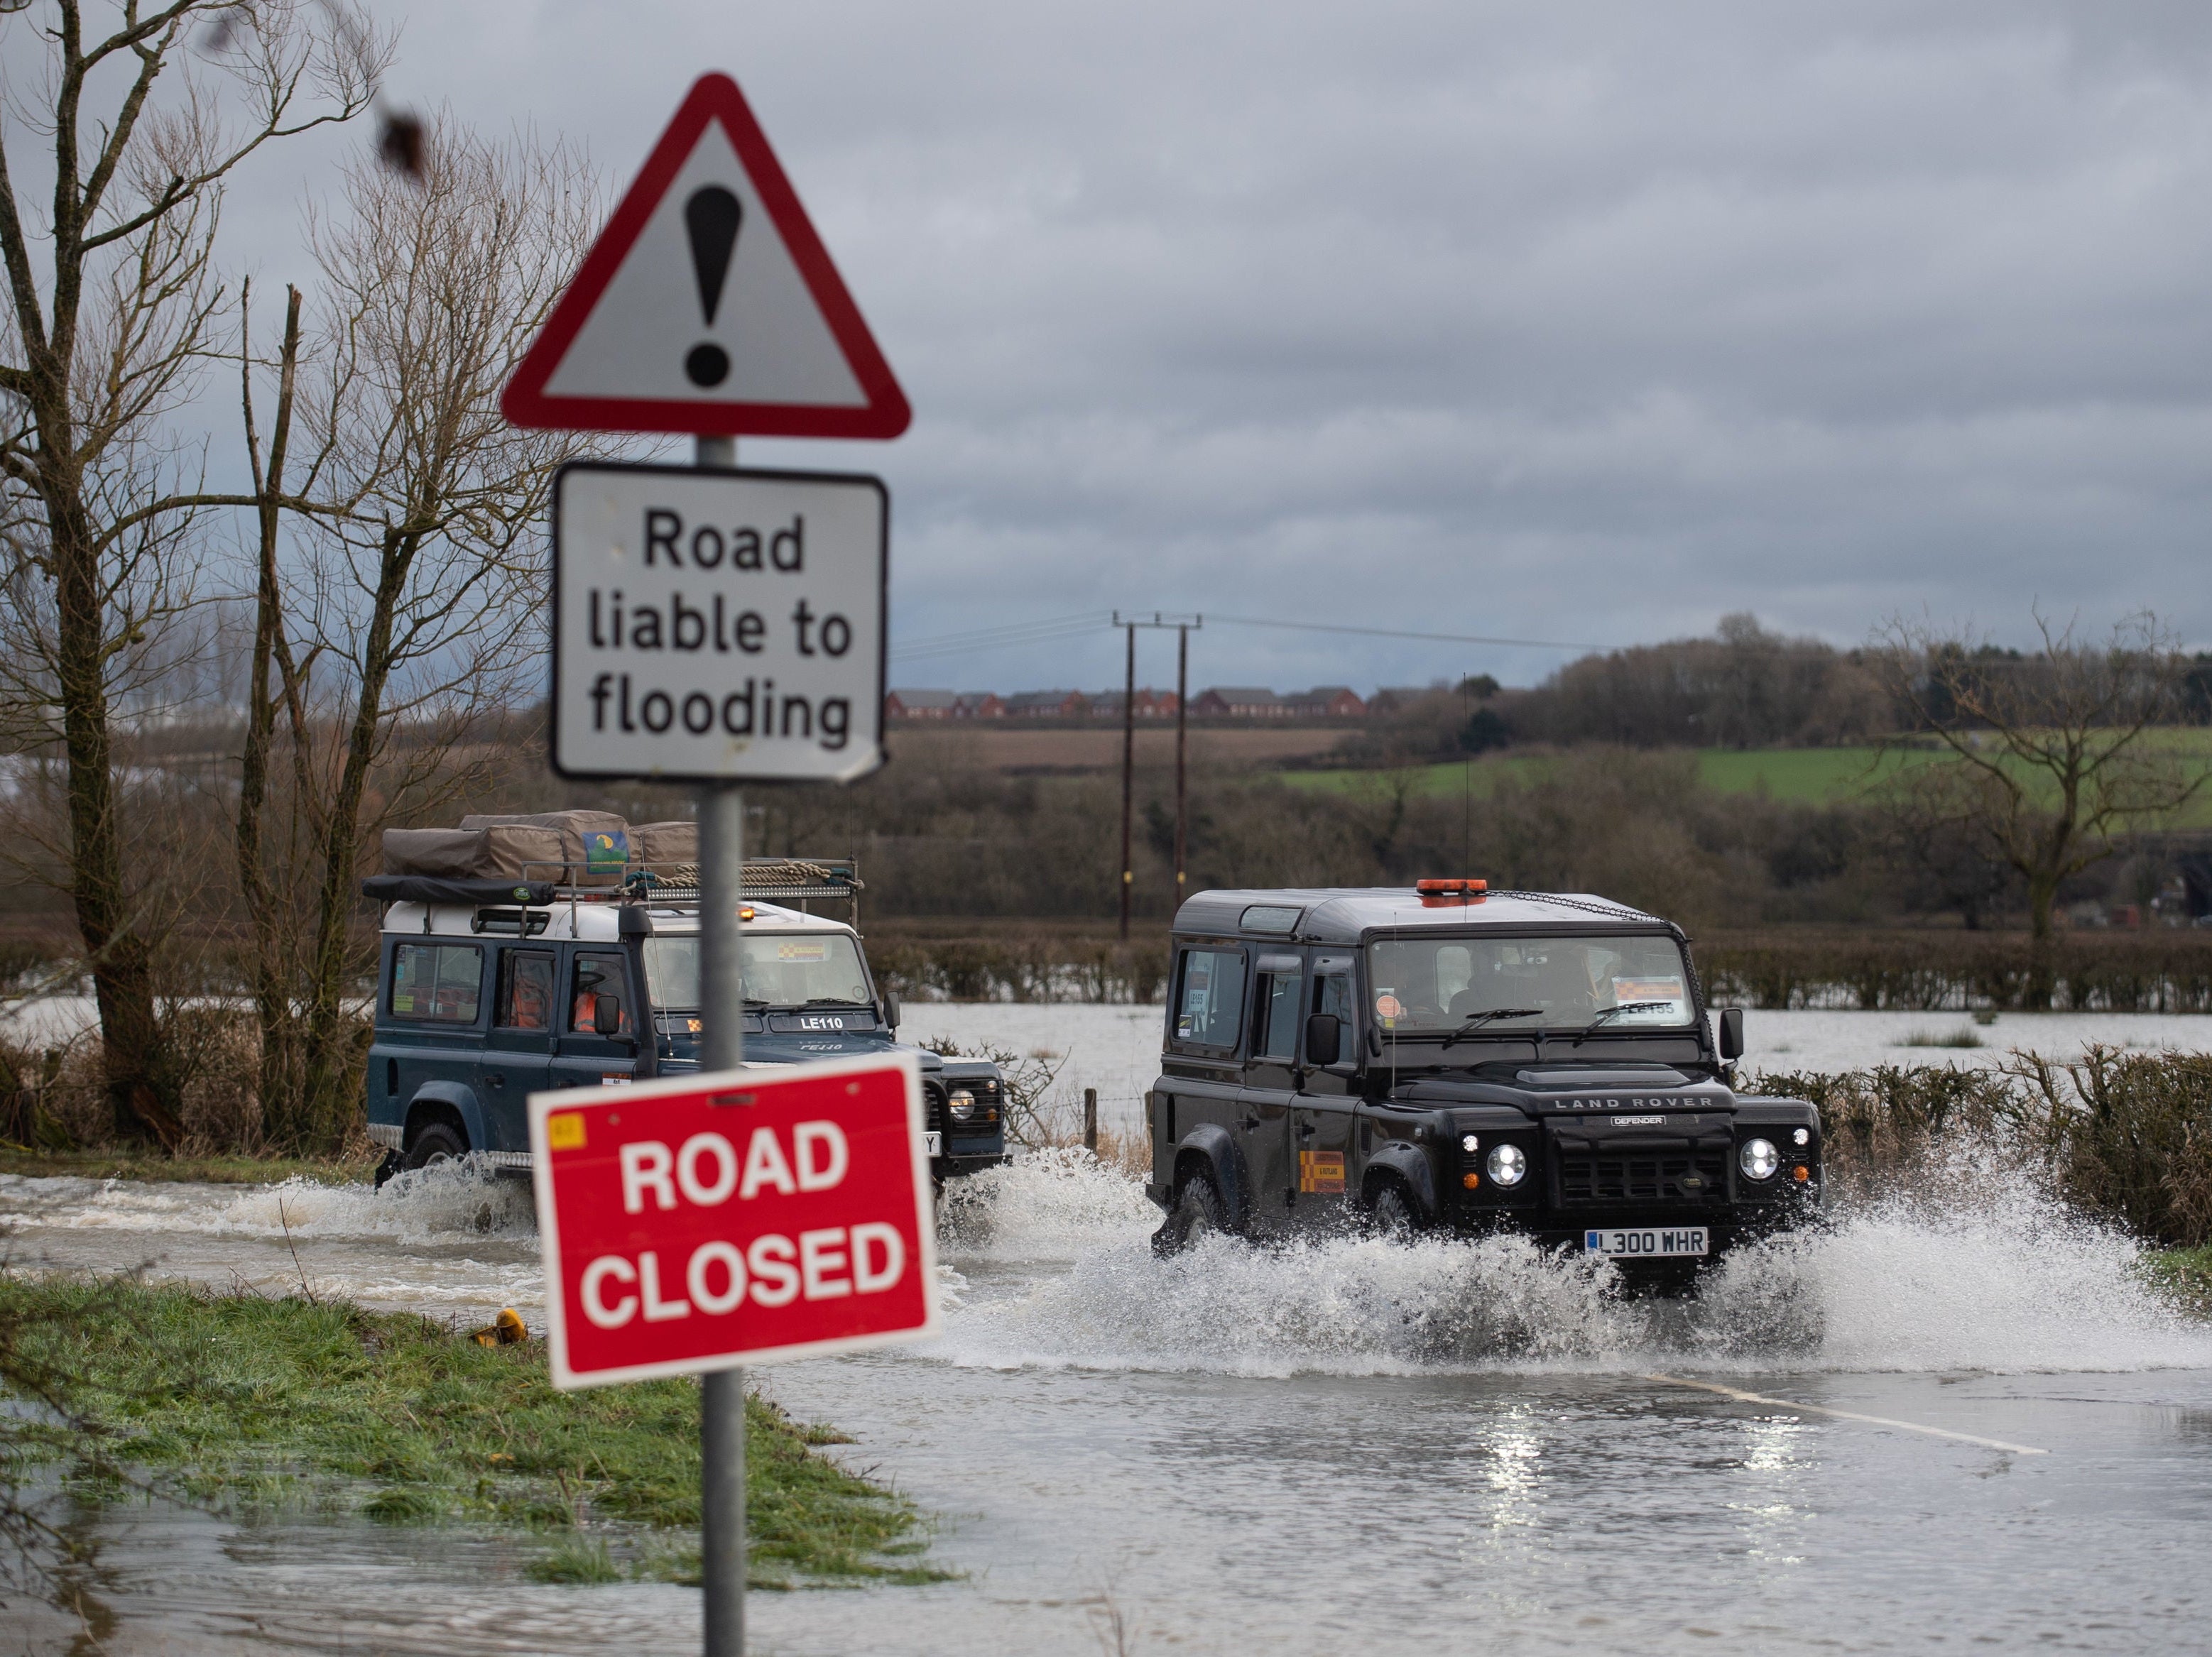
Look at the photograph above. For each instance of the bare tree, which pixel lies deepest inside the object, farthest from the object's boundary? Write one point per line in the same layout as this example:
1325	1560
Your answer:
410	619
2051	753
95	348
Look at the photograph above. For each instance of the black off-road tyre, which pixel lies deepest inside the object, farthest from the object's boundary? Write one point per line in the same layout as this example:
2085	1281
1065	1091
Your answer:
1393	1215
440	1142
1197	1213
391	1164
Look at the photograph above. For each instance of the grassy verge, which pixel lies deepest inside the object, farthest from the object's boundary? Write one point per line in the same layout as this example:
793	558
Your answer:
2187	1274
242	1401
116	1163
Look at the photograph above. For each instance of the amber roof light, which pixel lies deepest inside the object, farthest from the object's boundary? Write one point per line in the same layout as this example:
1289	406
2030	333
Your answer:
1438	893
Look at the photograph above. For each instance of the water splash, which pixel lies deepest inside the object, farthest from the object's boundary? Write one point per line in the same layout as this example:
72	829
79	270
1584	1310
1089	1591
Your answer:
2008	1281
447	1203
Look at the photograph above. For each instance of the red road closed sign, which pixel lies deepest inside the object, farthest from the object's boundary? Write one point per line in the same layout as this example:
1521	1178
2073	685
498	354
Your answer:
733	1219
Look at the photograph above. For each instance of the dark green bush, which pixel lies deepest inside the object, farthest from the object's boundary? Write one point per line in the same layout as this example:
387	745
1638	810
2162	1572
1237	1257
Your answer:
2127	1136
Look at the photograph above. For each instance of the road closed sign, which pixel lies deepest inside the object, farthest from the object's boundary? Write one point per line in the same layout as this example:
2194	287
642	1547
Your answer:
718	626
733	1219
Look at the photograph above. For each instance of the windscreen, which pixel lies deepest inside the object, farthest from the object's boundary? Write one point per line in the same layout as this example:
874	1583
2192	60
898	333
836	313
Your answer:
1426	985
783	970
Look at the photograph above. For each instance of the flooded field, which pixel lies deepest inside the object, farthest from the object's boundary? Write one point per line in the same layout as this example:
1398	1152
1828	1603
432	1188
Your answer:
1446	1446
1116	1050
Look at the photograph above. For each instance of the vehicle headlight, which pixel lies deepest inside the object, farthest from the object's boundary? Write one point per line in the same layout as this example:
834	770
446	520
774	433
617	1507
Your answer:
963	1105
1469	1142
1507	1165
1758	1159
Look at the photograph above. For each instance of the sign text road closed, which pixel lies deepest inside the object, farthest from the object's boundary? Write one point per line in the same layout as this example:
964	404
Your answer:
718	626
726	1219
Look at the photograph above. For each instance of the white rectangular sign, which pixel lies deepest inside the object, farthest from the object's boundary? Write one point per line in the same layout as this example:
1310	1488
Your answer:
718	626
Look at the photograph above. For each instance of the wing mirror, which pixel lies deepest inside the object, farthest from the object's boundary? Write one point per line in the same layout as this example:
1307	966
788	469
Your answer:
606	1014
890	1011
1731	1033
1324	1035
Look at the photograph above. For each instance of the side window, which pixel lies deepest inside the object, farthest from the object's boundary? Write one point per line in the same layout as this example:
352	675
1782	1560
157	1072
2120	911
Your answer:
1276	1009
442	983
526	990
1332	994
595	975
1210	997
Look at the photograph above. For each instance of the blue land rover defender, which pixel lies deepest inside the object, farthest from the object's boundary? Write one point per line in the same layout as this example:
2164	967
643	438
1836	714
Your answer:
490	989
1471	1061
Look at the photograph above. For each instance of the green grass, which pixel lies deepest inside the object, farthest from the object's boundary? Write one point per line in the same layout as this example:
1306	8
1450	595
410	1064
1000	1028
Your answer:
116	1163
1811	776
237	1400
1964	1036
1814	775
2187	1274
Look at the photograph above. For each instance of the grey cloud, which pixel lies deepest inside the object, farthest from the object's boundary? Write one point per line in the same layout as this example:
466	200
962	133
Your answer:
1561	322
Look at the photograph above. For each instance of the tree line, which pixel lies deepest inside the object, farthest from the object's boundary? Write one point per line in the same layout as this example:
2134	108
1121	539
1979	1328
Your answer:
384	550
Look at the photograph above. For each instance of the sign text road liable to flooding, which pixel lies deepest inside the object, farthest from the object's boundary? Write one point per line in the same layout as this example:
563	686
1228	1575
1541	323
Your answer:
717	625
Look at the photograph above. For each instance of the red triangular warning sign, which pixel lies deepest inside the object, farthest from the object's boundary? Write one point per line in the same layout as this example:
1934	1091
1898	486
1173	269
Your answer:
708	305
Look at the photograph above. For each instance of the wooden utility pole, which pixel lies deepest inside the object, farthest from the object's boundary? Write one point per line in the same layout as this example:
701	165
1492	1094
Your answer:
1183	733
1128	770
1182	626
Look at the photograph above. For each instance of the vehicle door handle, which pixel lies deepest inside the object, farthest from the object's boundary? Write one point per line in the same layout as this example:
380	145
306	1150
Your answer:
496	1079
1251	1124
1305	1130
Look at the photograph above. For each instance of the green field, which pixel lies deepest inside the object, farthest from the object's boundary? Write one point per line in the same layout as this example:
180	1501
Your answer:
1816	775
1812	776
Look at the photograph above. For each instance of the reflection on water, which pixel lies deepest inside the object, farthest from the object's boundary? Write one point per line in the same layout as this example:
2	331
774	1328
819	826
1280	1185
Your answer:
1323	1447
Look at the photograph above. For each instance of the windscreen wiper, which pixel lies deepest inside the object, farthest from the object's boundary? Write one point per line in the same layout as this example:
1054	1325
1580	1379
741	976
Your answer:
1590	1028
1475	1021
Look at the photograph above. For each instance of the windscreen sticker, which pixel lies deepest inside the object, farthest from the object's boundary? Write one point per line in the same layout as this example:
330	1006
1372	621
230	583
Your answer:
802	952
1646	989
1387	1005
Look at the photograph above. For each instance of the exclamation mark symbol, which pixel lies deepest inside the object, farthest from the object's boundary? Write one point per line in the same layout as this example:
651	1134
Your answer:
710	218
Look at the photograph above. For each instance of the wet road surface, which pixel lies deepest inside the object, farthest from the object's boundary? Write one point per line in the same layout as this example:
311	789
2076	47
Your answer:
1353	1446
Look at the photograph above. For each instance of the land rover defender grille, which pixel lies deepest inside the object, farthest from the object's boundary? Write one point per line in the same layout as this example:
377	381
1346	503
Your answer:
1591	1173
932	1106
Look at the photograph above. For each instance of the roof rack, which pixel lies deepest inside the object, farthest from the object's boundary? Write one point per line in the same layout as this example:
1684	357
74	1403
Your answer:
803	881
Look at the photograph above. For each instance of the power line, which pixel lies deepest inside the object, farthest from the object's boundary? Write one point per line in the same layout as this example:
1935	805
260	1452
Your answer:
1053	629
1396	632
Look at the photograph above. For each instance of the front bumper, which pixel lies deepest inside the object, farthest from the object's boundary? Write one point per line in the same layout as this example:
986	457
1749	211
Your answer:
956	1164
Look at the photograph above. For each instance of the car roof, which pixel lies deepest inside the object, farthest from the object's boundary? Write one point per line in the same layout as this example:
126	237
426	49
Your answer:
592	921
1345	914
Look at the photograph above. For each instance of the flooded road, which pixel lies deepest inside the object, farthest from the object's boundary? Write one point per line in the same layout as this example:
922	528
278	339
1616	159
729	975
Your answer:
1352	1445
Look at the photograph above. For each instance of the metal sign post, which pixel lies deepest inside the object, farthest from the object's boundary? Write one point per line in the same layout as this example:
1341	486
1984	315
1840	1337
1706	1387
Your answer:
721	810
717	628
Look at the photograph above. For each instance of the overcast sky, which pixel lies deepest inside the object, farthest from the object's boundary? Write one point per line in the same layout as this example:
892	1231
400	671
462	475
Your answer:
1584	323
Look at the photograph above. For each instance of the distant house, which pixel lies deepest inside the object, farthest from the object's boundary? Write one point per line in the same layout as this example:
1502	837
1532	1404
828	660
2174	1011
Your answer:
1149	704
919	704
1048	705
1239	702
1327	702
978	705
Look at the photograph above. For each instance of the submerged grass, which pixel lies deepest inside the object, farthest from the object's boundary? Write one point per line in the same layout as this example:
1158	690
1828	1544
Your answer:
236	1400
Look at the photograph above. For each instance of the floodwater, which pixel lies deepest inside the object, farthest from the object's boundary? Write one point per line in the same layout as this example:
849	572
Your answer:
1352	1446
1115	1050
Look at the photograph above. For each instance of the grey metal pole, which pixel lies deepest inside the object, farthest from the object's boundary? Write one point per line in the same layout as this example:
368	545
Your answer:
722	1008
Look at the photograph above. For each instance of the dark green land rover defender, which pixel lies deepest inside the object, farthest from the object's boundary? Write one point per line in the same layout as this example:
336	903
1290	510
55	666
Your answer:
1448	1058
